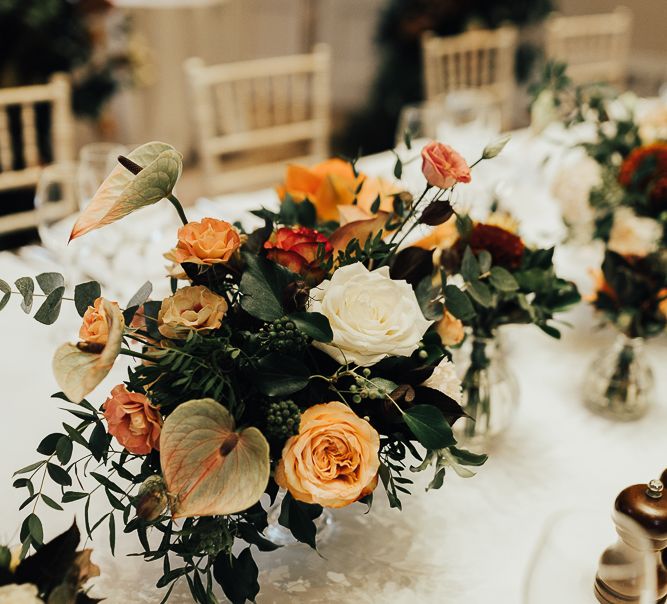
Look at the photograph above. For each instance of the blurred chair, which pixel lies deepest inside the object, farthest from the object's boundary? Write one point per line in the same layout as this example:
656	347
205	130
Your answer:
595	47
249	112
479	59
21	154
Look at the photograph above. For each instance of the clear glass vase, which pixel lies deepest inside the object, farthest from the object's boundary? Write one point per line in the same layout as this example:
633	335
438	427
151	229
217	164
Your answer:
280	535
619	382
490	394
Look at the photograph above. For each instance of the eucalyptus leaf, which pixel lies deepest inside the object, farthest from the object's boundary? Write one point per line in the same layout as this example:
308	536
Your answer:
49	311
6	293
50	281
458	303
85	295
141	295
469	265
26	287
503	280
480	293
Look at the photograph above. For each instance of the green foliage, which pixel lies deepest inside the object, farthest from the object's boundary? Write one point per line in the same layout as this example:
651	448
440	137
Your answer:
282	420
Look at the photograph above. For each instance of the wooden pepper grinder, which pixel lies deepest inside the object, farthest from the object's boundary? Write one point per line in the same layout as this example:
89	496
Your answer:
621	567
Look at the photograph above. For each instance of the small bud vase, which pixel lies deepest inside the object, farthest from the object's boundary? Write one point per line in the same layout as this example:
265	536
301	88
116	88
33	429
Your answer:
619	382
490	394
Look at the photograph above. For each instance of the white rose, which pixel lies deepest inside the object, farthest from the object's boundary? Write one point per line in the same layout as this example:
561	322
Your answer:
25	593
653	123
572	186
632	235
445	380
371	315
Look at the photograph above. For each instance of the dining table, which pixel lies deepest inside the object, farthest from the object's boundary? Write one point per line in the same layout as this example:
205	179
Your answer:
473	541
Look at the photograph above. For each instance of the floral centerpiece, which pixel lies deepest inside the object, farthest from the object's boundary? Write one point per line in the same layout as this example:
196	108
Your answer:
303	356
629	209
491	278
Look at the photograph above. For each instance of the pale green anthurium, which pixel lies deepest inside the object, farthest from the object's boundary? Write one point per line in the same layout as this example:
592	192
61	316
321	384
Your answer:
79	369
122	192
211	469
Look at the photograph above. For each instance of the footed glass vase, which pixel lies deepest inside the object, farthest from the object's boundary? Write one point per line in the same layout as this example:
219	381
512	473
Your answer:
490	394
619	383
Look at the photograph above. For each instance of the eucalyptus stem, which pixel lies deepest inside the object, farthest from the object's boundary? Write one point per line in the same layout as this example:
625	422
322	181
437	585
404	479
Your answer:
136	355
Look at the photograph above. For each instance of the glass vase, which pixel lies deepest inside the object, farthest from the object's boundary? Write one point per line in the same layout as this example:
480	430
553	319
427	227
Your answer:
280	535
490	394
619	382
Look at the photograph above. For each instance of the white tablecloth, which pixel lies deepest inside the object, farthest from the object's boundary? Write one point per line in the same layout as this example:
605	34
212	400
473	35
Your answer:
469	543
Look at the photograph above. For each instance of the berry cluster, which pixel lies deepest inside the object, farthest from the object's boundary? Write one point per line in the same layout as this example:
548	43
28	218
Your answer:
282	420
363	388
282	335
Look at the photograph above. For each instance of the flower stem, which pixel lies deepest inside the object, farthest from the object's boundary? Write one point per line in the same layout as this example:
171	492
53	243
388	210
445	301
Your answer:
179	208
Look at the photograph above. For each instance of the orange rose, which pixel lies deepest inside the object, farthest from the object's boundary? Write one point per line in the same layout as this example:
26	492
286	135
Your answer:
333	460
443	167
332	184
194	308
132	419
210	241
450	330
96	324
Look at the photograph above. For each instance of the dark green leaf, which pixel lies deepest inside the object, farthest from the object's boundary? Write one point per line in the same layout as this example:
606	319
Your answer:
103	480
59	475
428	424
549	330
49	282
467	458
30	468
463	225
26	287
237	576
85	295
99	441
263	286
112	534
484	258
50	309
375	206
298	518
458	303
35	528
64	450
412	264
279	375
313	324
49	443
69	496
52	504
503	280
398	168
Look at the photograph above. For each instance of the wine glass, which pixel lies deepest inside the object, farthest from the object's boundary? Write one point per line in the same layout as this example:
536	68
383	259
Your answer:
56	203
97	160
568	559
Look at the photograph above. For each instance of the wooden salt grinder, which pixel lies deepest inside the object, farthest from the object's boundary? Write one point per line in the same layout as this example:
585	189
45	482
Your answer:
647	507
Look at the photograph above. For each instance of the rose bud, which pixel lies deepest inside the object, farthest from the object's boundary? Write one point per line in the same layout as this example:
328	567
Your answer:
152	499
301	250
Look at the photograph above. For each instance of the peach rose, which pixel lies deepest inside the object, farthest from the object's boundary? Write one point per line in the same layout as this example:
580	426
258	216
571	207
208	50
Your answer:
450	330
132	419
662	305
331	185
96	324
443	167
193	308
333	460
210	241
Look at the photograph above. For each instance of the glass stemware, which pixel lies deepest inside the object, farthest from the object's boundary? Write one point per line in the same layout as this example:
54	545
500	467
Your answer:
97	160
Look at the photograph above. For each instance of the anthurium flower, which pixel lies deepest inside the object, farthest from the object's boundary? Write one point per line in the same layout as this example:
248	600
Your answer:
331	184
298	249
209	467
79	368
123	192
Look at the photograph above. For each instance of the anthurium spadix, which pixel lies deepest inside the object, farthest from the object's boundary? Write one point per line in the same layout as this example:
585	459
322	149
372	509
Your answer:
210	468
79	369
123	192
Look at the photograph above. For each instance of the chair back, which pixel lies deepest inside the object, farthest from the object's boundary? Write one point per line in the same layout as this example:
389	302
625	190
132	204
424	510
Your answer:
242	110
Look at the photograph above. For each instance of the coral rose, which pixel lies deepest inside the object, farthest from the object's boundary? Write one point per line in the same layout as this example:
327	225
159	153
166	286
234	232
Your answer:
333	460
132	419
332	184
300	249
443	167
193	308
96	324
210	241
450	330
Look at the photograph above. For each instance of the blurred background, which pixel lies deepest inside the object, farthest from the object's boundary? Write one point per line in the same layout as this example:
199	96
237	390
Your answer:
239	85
